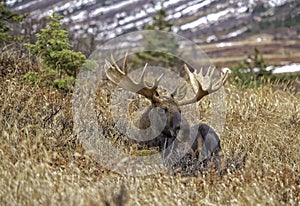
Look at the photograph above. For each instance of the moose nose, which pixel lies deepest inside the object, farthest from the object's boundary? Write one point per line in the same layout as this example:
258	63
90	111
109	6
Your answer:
175	123
176	118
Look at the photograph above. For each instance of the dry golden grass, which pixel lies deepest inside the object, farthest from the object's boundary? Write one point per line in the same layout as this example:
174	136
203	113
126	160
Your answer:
42	162
15	62
275	52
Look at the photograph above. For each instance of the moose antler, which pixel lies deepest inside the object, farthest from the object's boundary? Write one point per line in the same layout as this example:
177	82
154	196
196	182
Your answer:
121	78
203	84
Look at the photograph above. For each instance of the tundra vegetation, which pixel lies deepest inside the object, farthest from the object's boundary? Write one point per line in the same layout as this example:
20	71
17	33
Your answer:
43	163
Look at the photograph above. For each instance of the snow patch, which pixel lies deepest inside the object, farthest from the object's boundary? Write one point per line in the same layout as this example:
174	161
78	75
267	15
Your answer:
25	5
274	3
169	3
226	69
196	7
10	2
211	18
242	9
211	38
80	16
111	7
216	16
295	67
224	44
177	15
75	4
236	33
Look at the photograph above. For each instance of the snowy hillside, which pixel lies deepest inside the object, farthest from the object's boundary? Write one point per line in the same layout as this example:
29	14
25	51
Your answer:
208	20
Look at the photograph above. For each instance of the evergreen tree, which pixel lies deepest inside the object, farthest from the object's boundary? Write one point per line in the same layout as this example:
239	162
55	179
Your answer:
159	22
252	71
158	45
7	17
53	47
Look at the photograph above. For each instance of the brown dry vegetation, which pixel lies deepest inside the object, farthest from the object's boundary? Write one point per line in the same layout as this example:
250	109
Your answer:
276	52
43	163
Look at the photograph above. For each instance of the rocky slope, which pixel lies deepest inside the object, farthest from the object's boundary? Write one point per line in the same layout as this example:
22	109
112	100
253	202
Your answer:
201	20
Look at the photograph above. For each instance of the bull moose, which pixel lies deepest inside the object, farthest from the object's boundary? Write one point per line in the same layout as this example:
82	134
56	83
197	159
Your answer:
206	142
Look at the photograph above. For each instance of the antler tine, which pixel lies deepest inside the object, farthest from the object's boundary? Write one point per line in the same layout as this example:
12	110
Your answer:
115	64
120	77
114	67
201	70
156	82
143	73
108	64
125	63
203	84
211	71
221	81
195	84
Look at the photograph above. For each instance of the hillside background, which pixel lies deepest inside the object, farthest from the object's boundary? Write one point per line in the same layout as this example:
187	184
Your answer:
226	30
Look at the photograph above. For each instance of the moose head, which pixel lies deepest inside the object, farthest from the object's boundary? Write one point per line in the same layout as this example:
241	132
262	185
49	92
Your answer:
202	85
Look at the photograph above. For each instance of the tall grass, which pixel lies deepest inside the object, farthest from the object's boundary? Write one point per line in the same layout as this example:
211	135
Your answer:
14	61
43	163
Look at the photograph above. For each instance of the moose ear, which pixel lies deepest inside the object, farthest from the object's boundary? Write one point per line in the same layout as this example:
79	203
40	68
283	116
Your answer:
180	92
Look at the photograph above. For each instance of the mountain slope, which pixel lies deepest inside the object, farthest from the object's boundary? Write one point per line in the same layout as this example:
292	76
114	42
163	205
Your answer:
202	20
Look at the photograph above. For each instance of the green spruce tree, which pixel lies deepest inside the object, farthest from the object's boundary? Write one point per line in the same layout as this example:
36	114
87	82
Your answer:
54	48
7	17
159	22
158	45
252	71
